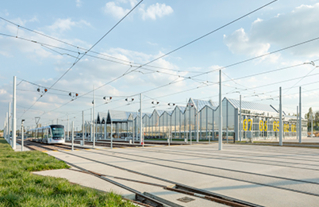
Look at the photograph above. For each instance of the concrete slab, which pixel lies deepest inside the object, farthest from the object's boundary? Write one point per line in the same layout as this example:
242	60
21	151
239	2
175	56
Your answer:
18	148
94	182
84	146
84	180
227	182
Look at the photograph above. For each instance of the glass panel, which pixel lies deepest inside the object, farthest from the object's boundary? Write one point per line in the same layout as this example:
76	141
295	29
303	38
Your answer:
57	133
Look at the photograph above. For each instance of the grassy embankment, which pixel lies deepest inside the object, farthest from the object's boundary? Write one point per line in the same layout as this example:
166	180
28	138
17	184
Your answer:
19	187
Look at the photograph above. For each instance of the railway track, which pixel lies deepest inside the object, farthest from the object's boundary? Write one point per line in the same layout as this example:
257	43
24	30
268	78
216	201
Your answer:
161	142
47	147
307	187
174	186
107	144
145	198
304	187
230	157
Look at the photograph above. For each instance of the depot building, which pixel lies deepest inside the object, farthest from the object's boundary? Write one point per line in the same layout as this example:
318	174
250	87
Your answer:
199	120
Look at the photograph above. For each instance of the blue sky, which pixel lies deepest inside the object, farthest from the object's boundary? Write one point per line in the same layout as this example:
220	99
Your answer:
151	30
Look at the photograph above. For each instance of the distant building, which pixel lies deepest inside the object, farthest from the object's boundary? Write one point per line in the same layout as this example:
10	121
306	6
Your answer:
199	120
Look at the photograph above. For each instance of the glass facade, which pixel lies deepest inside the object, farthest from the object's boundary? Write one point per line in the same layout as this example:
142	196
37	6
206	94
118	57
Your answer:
199	120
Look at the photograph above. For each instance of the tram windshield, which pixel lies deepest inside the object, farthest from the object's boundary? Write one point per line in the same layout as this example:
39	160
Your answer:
57	132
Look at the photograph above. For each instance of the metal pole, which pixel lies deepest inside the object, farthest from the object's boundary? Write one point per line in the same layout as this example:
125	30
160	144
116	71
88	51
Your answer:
83	128
300	129
72	135
91	125
220	137
14	121
297	130
133	130
280	118
170	130
93	119
7	129
196	119
22	137
311	125
9	117
207	125
68	136
141	121
57	121
240	117
111	134
227	122
105	126
190	126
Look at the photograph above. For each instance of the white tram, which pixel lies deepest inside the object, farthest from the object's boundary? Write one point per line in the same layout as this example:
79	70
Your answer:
52	134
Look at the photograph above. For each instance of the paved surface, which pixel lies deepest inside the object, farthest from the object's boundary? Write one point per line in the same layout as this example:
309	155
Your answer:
264	175
18	148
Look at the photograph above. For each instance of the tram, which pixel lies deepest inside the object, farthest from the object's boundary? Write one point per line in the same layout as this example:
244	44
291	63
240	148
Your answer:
52	134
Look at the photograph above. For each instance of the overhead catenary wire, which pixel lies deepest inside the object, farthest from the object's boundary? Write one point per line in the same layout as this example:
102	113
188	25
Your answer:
151	98
232	64
78	59
237	63
207	34
96	43
122	61
288	67
247	76
180	47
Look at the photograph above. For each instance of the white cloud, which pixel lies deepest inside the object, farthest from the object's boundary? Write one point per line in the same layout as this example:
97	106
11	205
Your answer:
152	43
240	43
61	25
78	3
280	31
156	11
116	11
2	91
153	11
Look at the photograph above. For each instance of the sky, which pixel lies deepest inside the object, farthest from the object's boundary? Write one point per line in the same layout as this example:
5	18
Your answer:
45	45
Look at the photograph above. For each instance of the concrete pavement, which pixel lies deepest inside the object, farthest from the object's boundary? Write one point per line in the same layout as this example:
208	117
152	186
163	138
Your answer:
264	175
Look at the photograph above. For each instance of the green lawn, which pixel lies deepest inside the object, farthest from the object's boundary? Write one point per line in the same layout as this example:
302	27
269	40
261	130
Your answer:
19	187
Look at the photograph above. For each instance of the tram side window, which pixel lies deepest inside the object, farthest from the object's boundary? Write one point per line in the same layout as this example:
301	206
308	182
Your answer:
49	133
46	133
40	133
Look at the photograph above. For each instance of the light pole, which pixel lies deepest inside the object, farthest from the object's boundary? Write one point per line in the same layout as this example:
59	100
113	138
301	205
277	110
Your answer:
93	102
22	134
14	113
189	121
72	134
171	105
311	125
141	122
280	118
154	103
220	133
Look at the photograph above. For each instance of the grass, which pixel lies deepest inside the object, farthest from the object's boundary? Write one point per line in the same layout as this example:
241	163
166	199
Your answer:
19	187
